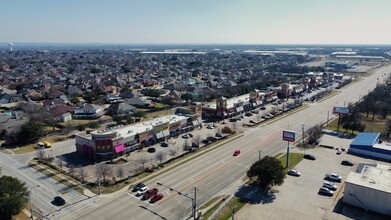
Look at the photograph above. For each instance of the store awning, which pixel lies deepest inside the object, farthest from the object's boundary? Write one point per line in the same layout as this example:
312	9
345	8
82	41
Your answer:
119	148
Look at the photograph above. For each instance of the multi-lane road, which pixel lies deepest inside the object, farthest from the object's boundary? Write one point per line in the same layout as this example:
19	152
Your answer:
216	172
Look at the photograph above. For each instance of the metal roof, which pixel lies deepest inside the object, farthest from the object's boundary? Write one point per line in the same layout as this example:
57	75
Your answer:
365	139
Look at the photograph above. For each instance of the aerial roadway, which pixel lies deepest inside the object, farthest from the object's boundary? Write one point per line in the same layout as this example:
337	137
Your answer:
216	172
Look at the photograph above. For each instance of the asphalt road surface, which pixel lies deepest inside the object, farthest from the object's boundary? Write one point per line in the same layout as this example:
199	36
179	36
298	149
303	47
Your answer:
217	170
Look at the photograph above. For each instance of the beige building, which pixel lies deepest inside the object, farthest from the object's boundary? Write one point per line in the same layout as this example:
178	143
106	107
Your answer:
370	188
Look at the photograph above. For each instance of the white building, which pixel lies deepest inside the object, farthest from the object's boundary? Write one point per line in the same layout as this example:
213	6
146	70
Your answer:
370	188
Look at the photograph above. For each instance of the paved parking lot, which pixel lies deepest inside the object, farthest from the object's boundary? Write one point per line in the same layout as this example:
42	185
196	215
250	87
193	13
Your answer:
298	197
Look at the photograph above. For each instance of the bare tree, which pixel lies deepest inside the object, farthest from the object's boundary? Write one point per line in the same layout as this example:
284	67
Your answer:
82	173
72	169
172	152
314	133
197	140
103	170
234	127
60	164
258	117
120	172
40	153
142	160
160	156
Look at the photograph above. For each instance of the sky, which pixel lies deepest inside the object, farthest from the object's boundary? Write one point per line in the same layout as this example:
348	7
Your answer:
196	21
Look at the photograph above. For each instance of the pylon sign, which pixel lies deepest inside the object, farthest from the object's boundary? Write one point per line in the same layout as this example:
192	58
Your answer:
288	135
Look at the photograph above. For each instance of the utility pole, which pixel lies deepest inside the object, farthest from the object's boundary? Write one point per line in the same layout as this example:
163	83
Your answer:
259	154
98	185
193	200
302	129
31	207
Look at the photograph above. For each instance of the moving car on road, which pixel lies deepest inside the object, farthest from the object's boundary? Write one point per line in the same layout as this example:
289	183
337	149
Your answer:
236	152
294	173
150	193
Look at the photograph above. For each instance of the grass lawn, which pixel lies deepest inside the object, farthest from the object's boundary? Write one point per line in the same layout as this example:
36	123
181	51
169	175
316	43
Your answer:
294	159
226	212
159	105
210	202
377	125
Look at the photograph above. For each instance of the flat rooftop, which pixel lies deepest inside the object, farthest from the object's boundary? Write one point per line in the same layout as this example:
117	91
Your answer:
378	178
365	139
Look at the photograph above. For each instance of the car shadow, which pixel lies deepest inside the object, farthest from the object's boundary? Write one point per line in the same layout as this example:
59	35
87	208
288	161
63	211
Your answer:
153	212
255	195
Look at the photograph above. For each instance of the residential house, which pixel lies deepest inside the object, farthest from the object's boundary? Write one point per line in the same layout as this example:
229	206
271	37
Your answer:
88	111
121	108
139	102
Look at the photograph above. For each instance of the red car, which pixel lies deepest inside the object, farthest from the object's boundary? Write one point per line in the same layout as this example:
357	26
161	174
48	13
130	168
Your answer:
150	193
237	152
156	198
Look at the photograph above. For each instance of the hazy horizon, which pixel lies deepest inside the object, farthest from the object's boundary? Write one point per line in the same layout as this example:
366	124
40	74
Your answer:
202	22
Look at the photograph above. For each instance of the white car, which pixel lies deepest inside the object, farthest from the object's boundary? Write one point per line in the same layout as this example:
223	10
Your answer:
329	185
294	173
142	191
334	177
339	151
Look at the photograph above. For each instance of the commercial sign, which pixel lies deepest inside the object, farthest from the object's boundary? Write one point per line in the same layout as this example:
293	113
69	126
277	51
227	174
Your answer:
288	135
340	110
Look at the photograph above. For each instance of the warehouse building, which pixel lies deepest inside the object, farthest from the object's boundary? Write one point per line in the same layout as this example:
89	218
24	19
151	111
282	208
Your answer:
369	188
368	144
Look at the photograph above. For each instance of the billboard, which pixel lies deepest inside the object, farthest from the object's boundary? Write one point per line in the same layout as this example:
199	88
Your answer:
340	110
288	135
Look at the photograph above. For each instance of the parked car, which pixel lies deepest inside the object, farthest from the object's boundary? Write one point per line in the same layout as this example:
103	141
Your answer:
141	191
251	121
326	191
339	151
150	193
347	163
329	185
236	152
190	135
211	138
294	173
218	135
138	186
333	177
248	114
58	201
254	111
309	157
209	127
263	108
164	144
156	198
205	141
185	136
151	150
232	119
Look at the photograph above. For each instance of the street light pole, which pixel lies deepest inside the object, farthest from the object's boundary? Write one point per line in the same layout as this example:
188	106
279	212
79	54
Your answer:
259	154
31	207
233	211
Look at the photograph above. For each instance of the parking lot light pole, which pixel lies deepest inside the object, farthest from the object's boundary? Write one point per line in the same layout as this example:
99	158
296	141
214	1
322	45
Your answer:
29	198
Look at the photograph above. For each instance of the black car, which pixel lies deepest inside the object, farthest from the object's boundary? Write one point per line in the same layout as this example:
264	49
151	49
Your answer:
164	144
251	121
151	150
309	157
347	163
190	135
58	201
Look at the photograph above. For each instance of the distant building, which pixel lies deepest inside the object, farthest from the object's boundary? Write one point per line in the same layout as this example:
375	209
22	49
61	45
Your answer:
369	188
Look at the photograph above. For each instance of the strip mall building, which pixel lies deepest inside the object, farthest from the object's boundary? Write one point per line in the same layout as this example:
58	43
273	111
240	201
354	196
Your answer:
116	141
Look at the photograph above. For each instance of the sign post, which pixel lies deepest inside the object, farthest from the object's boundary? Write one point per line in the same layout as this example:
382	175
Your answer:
290	137
340	111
